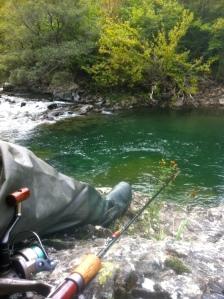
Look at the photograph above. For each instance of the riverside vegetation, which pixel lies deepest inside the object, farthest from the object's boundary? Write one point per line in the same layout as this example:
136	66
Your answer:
161	49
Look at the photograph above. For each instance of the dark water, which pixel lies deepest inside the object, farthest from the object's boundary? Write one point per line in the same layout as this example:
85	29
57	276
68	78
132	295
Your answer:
104	150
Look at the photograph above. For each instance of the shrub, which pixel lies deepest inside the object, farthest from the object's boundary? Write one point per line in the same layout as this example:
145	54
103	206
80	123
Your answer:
216	48
122	56
61	78
126	59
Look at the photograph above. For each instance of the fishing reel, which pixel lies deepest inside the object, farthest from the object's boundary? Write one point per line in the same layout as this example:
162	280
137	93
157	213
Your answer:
30	260
22	262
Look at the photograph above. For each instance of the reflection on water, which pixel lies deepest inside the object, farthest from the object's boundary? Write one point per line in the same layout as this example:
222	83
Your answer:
104	150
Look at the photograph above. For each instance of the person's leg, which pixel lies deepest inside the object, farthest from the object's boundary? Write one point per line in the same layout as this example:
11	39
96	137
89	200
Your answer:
57	201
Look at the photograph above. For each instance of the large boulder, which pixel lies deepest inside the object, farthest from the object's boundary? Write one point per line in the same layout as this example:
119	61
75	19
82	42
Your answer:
179	256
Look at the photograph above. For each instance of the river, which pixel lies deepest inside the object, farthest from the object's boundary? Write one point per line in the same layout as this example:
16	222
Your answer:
105	149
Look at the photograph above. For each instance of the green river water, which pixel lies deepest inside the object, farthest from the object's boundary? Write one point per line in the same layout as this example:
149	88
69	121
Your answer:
106	149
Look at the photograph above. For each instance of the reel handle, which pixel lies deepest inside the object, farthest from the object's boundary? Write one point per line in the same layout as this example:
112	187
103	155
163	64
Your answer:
15	200
18	196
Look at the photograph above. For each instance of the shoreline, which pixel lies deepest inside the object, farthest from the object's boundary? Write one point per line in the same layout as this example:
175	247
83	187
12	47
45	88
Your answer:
209	96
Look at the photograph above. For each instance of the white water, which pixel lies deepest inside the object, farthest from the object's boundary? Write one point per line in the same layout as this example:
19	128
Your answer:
18	121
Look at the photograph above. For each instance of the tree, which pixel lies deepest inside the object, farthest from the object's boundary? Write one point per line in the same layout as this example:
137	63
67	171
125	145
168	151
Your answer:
43	37
206	10
151	16
216	48
122	56
170	70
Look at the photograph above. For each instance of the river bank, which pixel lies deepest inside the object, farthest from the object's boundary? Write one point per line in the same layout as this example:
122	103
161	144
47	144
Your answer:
210	95
186	261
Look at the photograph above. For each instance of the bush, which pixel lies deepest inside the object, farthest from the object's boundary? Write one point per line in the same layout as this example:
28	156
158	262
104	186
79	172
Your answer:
126	59
216	48
24	77
41	38
151	16
61	78
170	70
122	56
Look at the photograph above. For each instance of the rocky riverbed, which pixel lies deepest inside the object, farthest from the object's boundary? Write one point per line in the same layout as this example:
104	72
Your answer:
210	95
21	111
171	252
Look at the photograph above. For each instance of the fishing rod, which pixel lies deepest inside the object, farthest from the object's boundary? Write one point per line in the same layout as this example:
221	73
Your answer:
91	263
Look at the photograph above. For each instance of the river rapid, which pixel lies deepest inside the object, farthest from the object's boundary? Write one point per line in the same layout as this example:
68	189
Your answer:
105	149
19	116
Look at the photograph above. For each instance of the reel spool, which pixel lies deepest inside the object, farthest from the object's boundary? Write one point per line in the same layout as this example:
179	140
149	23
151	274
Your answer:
29	261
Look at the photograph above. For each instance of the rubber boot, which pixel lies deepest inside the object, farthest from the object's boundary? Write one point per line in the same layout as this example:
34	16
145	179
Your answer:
118	201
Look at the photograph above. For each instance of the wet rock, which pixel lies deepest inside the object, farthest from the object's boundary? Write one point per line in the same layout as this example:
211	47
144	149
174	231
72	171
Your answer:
57	113
106	112
85	109
144	293
10	100
189	265
7	87
63	96
178	103
52	106
99	104
173	265
49	118
74	87
23	104
76	97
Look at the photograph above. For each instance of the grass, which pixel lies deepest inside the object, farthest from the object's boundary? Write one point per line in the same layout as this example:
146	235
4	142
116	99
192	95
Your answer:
177	265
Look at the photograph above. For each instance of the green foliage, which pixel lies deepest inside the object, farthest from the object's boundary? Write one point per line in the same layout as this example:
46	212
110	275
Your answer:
196	40
62	78
205	9
168	64
122	56
41	38
205	37
216	47
151	16
170	69
106	272
153	213
177	265
167	168
127	57
180	231
161	47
